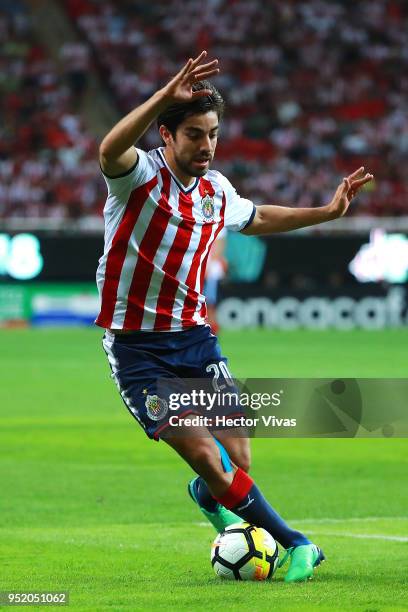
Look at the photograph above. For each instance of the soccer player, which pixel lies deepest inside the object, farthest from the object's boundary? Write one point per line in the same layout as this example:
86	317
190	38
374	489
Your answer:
163	212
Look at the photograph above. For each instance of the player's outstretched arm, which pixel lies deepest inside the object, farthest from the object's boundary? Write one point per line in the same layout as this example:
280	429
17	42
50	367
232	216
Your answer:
117	153
272	219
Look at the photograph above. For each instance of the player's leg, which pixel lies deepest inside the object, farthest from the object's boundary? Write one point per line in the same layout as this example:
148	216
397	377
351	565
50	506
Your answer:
212	366
238	450
237	446
236	491
136	371
201	452
200	493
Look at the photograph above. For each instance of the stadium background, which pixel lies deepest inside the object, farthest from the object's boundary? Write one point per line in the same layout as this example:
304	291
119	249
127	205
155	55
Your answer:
314	90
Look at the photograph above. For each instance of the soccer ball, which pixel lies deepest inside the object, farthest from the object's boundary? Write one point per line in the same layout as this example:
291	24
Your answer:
244	552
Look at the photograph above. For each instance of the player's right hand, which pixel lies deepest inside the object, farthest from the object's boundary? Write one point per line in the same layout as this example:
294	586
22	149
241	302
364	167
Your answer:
179	89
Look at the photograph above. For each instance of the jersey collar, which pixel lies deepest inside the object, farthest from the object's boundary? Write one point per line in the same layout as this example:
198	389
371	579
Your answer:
179	185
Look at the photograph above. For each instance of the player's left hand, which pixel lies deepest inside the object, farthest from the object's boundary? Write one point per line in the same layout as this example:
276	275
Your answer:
346	191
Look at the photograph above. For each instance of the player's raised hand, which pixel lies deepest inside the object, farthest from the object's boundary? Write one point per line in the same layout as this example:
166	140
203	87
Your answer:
346	191
179	89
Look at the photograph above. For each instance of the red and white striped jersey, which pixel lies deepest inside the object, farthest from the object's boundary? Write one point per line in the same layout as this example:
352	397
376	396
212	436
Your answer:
157	238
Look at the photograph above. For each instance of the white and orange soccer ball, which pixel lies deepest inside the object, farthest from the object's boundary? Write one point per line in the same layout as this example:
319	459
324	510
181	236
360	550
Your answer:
244	552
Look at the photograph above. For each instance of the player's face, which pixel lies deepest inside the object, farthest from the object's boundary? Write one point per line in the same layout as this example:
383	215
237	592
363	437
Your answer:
193	146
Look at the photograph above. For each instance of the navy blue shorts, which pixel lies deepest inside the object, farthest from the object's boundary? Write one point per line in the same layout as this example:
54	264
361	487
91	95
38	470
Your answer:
139	359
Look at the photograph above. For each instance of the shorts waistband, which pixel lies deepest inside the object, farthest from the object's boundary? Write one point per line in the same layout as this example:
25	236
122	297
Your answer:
185	336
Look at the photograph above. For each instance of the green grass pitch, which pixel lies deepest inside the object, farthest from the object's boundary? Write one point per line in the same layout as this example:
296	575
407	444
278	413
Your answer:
88	504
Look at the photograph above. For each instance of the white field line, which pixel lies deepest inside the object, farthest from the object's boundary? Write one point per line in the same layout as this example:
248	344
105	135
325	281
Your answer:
361	536
364	519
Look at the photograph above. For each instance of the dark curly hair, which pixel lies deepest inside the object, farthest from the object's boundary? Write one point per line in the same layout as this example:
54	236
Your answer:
175	114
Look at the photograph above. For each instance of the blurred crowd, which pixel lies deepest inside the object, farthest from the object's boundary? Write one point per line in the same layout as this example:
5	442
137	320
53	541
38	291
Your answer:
314	89
48	160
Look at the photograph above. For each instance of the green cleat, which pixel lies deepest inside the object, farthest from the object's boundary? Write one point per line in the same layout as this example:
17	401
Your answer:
221	518
303	560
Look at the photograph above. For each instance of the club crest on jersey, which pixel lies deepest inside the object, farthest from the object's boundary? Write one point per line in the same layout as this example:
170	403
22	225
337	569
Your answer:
207	207
156	407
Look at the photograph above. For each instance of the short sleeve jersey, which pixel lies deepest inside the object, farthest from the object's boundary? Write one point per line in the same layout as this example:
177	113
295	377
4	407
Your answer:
158	235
